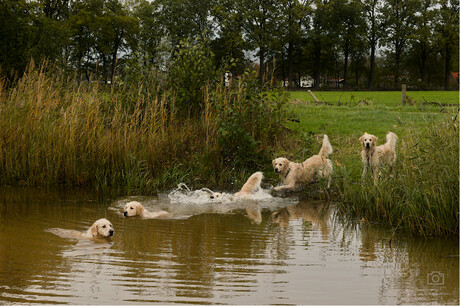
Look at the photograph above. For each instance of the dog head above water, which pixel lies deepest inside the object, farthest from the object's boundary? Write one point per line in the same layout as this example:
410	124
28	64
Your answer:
132	209
368	141
280	165
102	228
215	195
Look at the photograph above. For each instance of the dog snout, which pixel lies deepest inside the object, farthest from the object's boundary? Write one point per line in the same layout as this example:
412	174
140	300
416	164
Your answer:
277	170
111	232
125	213
368	145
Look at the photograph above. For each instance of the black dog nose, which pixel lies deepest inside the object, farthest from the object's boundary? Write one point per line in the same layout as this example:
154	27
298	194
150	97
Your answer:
125	213
111	233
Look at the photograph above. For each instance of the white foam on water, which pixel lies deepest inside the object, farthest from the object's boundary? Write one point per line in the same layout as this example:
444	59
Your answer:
183	202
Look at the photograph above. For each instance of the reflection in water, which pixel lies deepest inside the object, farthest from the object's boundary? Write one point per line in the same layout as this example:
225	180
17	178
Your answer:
278	251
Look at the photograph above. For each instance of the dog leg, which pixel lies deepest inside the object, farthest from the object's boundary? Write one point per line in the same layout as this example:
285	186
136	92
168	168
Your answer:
364	171
284	187
376	176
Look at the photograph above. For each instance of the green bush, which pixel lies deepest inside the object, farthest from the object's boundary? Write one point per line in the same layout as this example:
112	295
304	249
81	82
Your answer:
249	121
191	70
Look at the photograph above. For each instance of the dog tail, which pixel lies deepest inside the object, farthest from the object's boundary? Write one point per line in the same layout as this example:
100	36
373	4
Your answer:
252	184
326	148
391	139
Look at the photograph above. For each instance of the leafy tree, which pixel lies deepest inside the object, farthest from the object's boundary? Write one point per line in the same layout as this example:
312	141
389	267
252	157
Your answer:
375	30
229	46
185	19
190	71
293	21
400	21
16	34
259	20
347	16
446	31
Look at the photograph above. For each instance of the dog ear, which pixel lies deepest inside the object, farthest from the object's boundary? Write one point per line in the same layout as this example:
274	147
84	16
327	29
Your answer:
273	163
375	139
94	229
361	139
139	210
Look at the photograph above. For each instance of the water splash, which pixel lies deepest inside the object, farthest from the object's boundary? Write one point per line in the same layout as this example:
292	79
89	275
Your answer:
183	195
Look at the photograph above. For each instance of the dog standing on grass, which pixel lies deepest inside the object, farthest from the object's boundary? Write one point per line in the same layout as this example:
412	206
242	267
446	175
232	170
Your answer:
294	174
375	157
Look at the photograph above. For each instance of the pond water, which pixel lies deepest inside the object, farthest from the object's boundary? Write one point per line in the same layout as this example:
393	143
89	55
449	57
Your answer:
258	251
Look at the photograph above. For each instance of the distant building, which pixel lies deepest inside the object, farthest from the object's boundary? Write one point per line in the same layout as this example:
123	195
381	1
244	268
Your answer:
305	82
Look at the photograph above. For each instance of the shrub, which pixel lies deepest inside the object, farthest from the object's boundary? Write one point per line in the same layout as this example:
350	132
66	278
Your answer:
249	121
190	71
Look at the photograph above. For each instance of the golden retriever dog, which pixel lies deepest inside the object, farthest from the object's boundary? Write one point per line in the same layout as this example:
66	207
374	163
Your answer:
135	208
293	175
376	157
251	186
102	228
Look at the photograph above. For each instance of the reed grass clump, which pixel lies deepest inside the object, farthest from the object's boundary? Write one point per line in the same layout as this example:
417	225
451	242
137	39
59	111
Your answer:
55	130
423	195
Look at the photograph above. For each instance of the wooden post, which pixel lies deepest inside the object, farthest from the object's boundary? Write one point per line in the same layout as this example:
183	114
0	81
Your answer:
404	87
314	97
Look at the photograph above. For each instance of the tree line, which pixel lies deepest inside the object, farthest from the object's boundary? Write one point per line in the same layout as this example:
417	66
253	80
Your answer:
360	44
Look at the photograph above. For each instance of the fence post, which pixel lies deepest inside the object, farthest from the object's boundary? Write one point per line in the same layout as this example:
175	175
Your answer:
404	87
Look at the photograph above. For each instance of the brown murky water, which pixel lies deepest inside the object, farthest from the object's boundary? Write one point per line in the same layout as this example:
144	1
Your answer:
213	253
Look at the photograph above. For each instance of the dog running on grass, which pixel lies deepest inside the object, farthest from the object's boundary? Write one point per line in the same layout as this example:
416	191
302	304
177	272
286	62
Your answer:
375	157
293	175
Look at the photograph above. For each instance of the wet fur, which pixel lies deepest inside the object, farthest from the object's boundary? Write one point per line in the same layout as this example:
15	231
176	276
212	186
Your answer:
135	208
295	174
376	157
102	228
251	186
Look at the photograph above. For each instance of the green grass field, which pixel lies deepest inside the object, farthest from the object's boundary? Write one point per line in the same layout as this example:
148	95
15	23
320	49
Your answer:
381	98
382	112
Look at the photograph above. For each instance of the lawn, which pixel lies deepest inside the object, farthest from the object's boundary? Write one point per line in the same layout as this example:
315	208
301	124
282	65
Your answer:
381	111
388	98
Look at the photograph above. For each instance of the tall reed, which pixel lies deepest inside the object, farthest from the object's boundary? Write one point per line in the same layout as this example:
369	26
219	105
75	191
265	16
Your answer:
55	130
423	196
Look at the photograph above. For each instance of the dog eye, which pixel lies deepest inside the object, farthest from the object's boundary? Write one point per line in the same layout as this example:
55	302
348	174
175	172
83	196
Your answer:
103	226
131	208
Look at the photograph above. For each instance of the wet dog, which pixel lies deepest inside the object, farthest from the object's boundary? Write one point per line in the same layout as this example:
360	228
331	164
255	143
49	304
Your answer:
251	186
293	175
376	157
135	208
102	228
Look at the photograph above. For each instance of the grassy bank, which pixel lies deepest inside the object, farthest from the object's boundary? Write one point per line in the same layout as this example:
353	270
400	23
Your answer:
423	196
54	130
